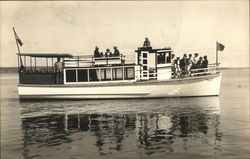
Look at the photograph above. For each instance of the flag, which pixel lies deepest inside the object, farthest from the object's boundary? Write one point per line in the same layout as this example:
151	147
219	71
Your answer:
17	38
220	47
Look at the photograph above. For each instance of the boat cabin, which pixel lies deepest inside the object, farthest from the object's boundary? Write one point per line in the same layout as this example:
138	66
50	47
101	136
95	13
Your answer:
40	69
155	63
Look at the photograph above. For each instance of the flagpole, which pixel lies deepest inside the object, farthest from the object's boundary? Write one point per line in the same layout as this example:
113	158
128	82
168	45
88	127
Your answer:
216	53
18	47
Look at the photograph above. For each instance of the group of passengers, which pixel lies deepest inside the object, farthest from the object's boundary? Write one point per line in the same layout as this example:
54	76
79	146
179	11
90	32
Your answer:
108	53
183	67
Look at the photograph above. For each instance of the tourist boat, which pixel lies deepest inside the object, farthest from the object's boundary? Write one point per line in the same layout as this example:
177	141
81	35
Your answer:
88	77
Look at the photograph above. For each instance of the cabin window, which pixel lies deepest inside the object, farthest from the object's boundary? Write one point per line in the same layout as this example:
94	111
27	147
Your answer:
145	68
129	72
161	58
145	61
70	75
93	74
117	73
106	74
169	58
82	75
145	55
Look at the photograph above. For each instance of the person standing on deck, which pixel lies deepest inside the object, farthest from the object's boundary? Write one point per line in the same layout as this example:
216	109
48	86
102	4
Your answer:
204	62
183	64
58	70
146	43
195	60
189	64
173	65
199	63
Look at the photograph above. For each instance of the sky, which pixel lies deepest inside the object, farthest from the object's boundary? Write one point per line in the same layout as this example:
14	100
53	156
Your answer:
76	27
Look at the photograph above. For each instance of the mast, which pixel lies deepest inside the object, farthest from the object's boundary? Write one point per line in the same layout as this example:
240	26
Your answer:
216	53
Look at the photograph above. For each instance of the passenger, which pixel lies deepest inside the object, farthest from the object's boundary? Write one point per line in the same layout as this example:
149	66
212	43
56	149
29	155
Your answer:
195	60
173	64
101	54
190	62
58	70
116	51
146	43
177	67
183	64
96	52
22	69
199	63
204	62
108	53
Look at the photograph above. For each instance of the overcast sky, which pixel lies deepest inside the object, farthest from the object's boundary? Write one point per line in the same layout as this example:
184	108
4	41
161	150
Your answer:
77	27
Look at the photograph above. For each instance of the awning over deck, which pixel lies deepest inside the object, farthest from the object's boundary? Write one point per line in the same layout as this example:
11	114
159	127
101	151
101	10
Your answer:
48	55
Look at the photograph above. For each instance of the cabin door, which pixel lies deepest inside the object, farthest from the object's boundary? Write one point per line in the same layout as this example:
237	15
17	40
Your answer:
144	65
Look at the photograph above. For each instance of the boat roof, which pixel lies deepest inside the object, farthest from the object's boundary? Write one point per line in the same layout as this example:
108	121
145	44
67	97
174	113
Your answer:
49	55
151	50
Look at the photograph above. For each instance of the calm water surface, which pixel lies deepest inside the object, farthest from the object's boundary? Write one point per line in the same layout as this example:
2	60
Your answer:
205	127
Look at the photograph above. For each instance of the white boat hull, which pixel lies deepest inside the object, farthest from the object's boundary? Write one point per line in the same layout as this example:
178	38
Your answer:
186	87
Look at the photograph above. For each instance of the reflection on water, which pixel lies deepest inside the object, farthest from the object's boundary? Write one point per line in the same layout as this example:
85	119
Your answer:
148	126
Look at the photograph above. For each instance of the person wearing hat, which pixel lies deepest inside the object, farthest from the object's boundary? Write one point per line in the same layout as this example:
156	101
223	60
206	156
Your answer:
146	43
183	64
190	63
116	51
204	62
108	53
195	60
58	68
96	52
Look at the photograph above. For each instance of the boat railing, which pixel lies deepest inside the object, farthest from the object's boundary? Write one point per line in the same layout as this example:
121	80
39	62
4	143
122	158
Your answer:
114	60
88	61
210	70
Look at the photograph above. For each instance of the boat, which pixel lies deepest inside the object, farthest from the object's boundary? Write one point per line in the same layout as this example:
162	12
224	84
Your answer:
88	77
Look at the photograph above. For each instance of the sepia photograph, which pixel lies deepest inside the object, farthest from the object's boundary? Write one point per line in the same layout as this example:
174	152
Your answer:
124	79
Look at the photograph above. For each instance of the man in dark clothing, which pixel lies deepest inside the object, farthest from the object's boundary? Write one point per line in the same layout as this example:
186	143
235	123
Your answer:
199	63
116	51
204	63
183	63
146	43
96	52
108	53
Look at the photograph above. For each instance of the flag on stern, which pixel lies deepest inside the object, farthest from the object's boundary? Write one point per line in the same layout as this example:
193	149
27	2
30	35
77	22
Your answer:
220	47
17	38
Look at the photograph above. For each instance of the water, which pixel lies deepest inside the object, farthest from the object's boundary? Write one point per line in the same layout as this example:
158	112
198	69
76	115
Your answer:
205	127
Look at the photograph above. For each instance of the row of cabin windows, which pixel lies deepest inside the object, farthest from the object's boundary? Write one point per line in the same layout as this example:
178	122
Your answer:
104	74
161	58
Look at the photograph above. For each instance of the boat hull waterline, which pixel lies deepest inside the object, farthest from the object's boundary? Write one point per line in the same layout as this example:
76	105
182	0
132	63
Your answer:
187	87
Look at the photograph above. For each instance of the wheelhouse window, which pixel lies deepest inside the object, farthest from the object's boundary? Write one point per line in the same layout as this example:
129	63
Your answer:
163	57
